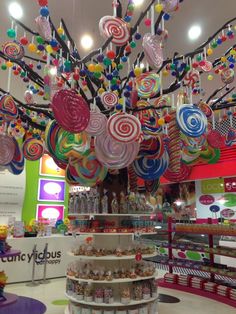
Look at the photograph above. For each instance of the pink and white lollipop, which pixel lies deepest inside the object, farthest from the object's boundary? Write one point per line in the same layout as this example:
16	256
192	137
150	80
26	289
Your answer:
44	27
116	28
97	124
124	127
153	50
7	149
191	78
115	155
109	99
207	66
28	97
227	76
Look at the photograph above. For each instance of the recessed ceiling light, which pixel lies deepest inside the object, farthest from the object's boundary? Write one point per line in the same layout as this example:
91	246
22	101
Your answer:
86	41
15	10
194	32
138	2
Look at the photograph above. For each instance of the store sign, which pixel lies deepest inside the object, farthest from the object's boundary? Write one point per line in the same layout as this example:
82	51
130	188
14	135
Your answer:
12	191
50	212
57	258
48	167
212	186
230	184
51	190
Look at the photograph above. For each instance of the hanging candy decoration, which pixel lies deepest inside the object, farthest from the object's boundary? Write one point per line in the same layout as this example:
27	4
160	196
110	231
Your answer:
182	175
116	28
86	172
148	85
124	127
191	78
109	99
113	154
16	166
191	120
227	76
189	157
170	5
151	169
33	149
28	97
206	109
174	144
7	149
152	148
153	50
206	66
13	50
44	27
70	110
133	179
97	124
8	108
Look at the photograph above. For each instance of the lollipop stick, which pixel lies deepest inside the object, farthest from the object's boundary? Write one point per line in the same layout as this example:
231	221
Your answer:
9	80
152	20
161	87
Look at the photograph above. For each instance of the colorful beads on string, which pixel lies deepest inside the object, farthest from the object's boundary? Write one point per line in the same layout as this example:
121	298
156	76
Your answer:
43	3
44	11
11	33
147	22
158	7
32	47
24	41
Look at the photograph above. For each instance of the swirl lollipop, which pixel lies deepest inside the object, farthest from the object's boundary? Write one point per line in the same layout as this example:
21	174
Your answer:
33	149
109	99
70	110
116	28
206	109
153	50
16	166
51	134
182	175
227	75
70	145
174	144
44	27
148	85
7	149
230	137
191	78
124	127
28	97
13	50
207	66
170	5
152	148
113	154
97	124
86	172
194	144
191	120
151	169
8	108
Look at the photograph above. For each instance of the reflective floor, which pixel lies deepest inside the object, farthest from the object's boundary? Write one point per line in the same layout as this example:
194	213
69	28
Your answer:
188	302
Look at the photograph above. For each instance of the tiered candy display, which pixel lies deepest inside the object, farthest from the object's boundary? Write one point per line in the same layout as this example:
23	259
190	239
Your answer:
102	113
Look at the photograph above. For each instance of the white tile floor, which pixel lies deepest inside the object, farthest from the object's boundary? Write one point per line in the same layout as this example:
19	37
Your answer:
189	303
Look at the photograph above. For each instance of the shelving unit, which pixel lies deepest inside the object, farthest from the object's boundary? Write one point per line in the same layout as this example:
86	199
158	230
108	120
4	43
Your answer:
112	215
117	284
214	273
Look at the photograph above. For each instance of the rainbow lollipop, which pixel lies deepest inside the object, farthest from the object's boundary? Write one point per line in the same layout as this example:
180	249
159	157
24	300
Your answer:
148	85
8	108
33	149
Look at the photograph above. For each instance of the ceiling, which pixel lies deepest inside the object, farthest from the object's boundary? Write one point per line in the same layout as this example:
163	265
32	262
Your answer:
82	16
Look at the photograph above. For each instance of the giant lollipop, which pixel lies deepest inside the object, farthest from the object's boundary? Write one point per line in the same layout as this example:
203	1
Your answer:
148	84
8	108
153	50
152	148
7	149
33	149
174	144
44	27
97	124
16	166
70	110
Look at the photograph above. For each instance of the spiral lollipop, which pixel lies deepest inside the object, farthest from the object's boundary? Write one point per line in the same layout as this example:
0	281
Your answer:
110	26
191	120
70	110
7	149
174	144
207	66
133	179
13	50
16	166
151	169
86	172
8	108
152	148
97	124
180	176
227	75
109	99
191	78
113	154
28	97
153	50
51	135
148	85
124	128
33	149
44	27
230	137
194	144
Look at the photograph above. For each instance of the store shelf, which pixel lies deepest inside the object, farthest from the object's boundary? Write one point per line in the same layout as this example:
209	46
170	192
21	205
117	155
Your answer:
114	304
10	253
199	292
113	215
113	233
114	281
110	257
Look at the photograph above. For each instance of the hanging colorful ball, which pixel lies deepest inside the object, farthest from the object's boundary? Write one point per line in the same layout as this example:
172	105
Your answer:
210	77
43	3
209	51
158	7
11	33
44	11
161	121
4	66
91	67
32	47
9	64
148	22
60	30
24	41
137	71
111	54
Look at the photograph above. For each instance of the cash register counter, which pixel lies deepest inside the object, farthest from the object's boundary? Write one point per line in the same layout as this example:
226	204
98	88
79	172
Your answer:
19	268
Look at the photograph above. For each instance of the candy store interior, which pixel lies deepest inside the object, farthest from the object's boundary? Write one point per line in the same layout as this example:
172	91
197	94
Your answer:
117	157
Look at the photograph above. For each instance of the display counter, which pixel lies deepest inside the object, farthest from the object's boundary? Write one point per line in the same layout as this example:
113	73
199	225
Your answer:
19	268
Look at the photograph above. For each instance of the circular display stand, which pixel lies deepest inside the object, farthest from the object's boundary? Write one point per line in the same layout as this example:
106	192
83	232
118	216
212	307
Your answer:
23	305
10	298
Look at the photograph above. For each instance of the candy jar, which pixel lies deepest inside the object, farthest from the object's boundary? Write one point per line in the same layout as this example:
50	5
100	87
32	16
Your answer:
114	204
137	291
99	294
77	203
104	202
123	203
71	204
125	295
80	292
89	203
146	291
131	203
108	295
88	293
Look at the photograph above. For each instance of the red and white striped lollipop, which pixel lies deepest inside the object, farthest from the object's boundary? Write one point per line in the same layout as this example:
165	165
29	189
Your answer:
109	99
115	27
207	66
124	127
191	78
